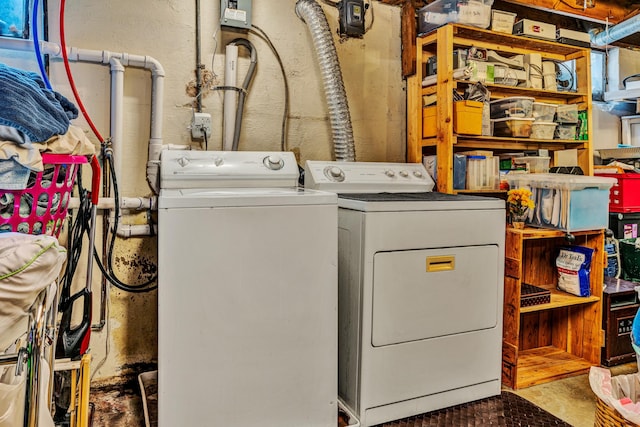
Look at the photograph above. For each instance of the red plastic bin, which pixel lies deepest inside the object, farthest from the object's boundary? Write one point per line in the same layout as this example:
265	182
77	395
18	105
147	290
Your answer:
42	207
624	196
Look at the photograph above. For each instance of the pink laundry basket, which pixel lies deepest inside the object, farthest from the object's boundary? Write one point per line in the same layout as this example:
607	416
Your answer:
44	203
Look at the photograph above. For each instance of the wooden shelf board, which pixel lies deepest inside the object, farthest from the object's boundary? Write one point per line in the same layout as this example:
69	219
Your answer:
548	233
500	143
559	299
544	364
515	91
503	39
526	91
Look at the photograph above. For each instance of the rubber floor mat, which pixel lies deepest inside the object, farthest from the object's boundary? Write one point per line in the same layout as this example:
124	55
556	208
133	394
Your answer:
507	409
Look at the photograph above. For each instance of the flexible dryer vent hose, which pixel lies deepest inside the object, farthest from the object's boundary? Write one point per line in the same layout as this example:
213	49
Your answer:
342	132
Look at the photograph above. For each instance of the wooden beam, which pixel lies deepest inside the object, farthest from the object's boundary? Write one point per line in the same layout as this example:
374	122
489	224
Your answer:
611	11
408	40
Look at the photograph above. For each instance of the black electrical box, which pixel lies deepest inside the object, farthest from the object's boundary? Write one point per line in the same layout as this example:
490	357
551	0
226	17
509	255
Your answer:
619	308
351	17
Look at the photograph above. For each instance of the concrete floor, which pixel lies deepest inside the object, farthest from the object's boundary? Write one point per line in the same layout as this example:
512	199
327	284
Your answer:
570	399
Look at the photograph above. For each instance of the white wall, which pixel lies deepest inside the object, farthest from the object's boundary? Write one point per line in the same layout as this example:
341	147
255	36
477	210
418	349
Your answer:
165	30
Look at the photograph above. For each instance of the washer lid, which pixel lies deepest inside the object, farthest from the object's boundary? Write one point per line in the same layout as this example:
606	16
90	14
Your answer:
430	201
239	197
225	169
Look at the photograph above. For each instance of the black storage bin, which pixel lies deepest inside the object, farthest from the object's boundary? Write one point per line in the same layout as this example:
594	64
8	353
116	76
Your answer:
625	225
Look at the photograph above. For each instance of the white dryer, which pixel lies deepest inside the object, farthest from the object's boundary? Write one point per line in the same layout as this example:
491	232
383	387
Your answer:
420	290
247	295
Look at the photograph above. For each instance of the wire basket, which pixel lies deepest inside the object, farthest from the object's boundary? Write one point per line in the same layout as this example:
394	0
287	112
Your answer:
606	416
42	206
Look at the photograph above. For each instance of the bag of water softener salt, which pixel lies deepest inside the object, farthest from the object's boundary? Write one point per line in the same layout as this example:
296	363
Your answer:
574	267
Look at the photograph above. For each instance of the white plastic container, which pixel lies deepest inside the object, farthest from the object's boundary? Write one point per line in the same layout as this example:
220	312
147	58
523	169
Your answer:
470	12
543	130
566	202
535	164
544	112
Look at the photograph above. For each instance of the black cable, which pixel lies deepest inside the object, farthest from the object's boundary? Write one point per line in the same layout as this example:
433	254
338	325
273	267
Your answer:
285	115
75	236
109	272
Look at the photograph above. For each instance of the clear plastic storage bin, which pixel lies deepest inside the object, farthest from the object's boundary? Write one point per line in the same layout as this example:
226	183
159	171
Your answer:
470	12
566	202
566	131
512	127
483	172
567	113
544	112
535	164
515	106
543	130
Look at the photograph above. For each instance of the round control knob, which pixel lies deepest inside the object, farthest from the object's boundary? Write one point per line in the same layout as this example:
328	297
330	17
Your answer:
404	174
417	174
218	161
390	173
334	173
273	162
183	161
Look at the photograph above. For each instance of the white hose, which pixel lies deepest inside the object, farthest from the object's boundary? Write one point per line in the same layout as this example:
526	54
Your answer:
342	132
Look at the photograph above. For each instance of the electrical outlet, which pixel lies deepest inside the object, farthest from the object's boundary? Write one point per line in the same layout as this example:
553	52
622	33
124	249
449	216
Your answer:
201	125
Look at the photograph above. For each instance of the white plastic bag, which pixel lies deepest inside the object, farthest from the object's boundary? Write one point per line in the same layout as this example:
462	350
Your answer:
621	392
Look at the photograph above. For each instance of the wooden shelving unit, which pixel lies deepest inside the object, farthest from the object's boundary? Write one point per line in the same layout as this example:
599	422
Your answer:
559	339
442	43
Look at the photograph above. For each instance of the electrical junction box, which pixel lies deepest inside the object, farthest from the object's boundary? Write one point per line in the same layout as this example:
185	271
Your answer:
235	13
351	17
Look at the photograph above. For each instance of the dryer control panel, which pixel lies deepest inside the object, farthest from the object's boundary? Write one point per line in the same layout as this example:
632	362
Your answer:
220	169
363	177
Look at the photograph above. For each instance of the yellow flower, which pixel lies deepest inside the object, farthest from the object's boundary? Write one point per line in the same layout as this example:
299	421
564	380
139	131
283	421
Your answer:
519	200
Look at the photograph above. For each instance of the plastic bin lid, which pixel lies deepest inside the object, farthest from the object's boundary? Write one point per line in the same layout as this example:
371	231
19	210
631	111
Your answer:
559	181
545	104
504	119
513	98
525	158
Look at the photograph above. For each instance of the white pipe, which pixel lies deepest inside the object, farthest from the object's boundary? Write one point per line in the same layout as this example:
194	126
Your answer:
131	203
177	147
131	230
117	113
157	95
616	32
230	96
23	45
126	231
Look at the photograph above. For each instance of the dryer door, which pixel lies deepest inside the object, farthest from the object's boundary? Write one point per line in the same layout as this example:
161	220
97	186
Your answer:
421	294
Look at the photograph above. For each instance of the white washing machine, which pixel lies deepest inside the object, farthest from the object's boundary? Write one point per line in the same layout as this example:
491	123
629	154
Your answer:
420	290
247	295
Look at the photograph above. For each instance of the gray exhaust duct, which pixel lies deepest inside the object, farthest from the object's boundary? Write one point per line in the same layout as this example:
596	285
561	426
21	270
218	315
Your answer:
342	132
616	32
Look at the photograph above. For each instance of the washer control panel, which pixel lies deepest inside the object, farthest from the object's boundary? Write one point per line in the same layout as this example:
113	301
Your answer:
365	177
219	169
